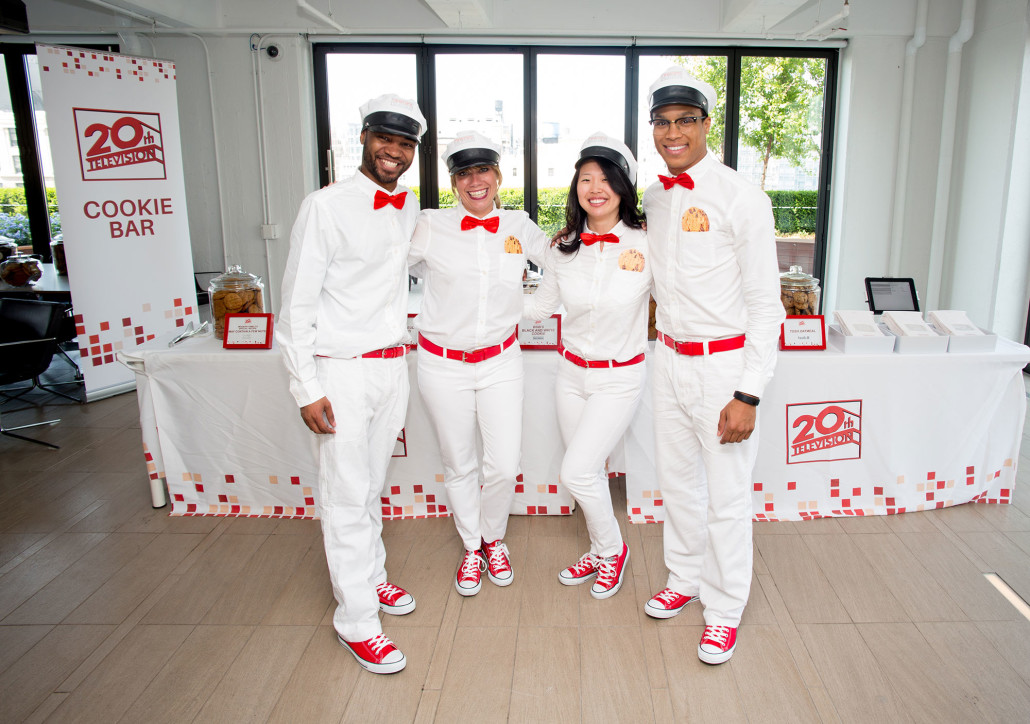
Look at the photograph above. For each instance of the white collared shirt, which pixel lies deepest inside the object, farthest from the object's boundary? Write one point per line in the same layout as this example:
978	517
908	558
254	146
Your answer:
473	295
605	292
723	281
345	287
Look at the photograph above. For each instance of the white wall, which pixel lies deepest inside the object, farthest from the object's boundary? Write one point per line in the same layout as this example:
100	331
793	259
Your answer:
988	252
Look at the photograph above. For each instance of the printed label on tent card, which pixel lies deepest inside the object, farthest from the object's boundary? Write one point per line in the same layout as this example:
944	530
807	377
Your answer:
248	331
542	334
803	332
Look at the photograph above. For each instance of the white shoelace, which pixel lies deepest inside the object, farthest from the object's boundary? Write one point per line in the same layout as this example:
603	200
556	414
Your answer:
717	635
605	569
471	563
668	596
498	556
586	563
386	590
379	642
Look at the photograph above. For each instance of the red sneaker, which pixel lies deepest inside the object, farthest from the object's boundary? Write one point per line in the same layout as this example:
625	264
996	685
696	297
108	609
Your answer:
609	574
468	580
717	644
667	603
377	654
498	567
394	600
580	572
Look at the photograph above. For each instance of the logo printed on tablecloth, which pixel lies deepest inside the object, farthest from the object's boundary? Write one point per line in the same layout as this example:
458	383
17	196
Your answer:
824	431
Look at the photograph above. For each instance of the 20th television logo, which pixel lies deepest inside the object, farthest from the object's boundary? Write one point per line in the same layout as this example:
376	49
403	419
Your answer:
824	431
119	145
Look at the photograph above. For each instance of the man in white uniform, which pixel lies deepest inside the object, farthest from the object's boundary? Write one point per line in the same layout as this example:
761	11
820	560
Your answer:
343	333
713	253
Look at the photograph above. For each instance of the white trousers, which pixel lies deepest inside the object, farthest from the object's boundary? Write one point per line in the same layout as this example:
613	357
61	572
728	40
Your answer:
369	399
460	396
595	406
707	512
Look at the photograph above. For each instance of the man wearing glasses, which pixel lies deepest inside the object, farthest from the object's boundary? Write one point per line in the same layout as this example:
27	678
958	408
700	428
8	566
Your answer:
719	313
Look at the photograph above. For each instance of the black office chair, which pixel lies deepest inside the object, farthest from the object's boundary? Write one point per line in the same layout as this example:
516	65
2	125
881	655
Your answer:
26	360
23	320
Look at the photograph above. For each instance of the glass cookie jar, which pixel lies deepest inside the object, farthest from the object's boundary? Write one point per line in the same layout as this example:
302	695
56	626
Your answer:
21	270
235	292
799	292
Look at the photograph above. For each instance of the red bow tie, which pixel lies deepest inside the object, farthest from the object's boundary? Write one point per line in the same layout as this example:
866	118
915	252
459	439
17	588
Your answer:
383	198
683	180
588	238
491	224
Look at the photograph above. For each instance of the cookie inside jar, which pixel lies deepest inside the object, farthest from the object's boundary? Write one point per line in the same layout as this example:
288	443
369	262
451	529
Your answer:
799	292
235	292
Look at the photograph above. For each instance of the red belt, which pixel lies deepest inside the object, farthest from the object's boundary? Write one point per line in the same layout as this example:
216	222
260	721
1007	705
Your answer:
598	363
700	348
473	356
384	353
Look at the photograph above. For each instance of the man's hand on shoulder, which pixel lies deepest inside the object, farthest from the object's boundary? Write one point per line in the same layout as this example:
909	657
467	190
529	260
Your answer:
736	422
318	416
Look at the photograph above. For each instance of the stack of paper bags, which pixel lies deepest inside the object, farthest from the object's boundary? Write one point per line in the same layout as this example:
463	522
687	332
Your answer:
857	323
907	324
954	323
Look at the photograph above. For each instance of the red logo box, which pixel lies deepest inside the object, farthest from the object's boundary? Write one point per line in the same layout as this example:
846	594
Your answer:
119	145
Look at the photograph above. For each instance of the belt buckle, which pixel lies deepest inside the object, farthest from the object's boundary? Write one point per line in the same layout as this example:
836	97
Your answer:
469	357
393	352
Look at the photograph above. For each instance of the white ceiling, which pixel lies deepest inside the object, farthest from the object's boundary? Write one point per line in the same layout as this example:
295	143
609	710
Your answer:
644	19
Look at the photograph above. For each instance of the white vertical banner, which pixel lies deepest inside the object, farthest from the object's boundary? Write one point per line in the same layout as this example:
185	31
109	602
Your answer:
114	133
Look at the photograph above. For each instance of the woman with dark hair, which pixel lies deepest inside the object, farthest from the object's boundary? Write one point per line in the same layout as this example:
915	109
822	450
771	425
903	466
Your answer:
469	362
599	270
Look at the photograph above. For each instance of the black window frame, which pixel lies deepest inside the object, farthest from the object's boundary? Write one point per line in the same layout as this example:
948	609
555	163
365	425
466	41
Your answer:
426	83
33	179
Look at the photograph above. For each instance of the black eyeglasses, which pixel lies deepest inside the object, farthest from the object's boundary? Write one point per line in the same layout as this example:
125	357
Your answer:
660	124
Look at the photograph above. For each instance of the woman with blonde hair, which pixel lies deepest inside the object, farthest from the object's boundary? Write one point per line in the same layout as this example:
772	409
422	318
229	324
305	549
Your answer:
469	362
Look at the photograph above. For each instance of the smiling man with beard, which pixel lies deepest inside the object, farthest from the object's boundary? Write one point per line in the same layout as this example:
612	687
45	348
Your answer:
343	333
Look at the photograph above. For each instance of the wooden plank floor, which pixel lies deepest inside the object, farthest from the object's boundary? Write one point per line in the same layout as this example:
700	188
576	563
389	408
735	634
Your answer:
112	611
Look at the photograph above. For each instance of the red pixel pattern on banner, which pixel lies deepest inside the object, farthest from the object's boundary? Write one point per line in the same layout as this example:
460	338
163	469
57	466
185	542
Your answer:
101	347
142	69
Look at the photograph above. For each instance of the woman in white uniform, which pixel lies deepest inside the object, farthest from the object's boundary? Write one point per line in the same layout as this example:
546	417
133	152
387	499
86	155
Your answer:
601	273
469	362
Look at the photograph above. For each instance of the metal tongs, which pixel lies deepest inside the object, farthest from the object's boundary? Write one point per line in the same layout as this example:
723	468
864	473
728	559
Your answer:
188	332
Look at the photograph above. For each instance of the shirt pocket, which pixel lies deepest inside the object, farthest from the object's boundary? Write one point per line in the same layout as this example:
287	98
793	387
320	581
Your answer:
510	268
699	249
625	285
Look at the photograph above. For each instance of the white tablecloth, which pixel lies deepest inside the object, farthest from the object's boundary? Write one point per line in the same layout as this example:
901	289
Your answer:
221	429
839	435
844	435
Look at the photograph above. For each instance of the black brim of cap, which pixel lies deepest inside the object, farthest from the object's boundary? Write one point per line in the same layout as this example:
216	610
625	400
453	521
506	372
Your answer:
607	153
470	157
679	95
396	123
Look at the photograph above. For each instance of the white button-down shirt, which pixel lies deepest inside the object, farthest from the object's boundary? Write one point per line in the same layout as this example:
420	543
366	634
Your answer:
605	292
473	295
345	288
715	268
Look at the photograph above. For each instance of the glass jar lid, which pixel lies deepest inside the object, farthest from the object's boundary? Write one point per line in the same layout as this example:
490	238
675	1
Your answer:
235	278
797	279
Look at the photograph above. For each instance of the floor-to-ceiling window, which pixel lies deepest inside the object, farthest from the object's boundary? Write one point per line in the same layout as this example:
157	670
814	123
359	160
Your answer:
772	122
